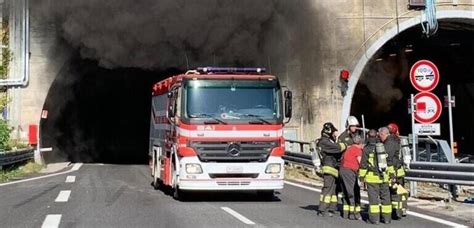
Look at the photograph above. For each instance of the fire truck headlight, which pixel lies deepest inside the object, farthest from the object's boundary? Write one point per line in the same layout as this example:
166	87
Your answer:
273	168
193	168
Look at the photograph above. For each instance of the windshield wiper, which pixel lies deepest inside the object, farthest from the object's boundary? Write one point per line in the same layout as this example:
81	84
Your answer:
205	115
258	117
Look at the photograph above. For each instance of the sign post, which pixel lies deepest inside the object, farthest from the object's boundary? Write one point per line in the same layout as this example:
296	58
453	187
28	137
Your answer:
451	137
425	106
413	134
413	110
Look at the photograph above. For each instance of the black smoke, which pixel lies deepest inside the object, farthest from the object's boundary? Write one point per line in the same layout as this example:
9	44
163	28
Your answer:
99	104
98	114
159	34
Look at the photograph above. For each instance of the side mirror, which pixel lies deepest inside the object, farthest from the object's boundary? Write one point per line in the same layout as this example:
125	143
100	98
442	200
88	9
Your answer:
288	104
172	104
172	109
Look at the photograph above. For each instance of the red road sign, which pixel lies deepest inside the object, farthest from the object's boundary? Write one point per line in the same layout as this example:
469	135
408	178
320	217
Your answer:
424	75
432	107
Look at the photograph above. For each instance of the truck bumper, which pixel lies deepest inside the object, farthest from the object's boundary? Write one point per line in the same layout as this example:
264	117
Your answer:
231	176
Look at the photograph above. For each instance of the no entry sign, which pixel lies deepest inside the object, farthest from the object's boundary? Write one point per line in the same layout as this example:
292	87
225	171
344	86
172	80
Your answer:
428	107
424	75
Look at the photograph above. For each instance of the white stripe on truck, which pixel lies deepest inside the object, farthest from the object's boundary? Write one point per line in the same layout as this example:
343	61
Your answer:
225	134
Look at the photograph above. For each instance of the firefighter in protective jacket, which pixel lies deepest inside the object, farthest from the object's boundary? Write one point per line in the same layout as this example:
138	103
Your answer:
397	173
351	131
331	152
347	137
374	172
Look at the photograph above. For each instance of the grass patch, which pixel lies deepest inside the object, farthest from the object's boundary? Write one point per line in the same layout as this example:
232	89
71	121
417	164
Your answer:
301	173
19	171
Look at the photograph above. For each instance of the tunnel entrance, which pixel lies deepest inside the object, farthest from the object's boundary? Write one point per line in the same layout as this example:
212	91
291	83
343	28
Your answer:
99	115
384	87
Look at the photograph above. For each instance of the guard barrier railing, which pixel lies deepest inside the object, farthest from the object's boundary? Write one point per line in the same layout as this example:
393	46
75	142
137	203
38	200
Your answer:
434	172
13	157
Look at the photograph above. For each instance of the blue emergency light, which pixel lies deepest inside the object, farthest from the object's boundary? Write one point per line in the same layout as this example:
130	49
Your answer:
230	70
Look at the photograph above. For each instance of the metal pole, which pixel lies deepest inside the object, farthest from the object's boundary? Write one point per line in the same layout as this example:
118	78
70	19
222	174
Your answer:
451	140
413	107
363	126
37	153
413	134
450	107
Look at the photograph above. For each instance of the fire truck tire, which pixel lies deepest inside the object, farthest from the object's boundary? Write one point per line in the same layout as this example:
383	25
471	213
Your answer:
156	183
266	195
177	193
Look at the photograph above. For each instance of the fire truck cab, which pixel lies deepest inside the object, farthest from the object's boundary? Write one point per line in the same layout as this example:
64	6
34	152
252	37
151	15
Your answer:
216	129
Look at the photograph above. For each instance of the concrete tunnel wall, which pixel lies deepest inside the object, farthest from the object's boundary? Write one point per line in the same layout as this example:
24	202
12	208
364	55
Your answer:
348	34
392	33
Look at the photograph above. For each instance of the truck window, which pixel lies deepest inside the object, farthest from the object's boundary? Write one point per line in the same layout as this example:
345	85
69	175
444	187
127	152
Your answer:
233	100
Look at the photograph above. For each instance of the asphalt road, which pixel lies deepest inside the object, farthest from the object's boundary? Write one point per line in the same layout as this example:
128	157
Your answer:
121	196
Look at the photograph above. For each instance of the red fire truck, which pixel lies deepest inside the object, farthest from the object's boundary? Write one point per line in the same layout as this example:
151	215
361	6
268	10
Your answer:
219	129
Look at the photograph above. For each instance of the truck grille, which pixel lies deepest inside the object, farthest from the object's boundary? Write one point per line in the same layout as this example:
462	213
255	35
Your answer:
233	183
233	151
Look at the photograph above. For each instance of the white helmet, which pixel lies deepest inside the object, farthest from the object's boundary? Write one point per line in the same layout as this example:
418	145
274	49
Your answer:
352	121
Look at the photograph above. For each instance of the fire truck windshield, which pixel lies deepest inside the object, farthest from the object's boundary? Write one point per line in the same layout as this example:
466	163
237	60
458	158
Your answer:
232	101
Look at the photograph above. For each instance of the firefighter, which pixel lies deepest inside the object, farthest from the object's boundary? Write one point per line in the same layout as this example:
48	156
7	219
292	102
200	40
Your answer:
347	137
374	172
331	152
348	173
392	146
351	131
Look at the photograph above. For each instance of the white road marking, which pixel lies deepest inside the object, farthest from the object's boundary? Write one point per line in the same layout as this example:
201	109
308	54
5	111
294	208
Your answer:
73	169
51	221
412	213
434	219
238	216
76	166
70	179
63	196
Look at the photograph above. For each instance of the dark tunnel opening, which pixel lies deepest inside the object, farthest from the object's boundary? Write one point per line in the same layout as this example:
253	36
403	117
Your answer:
99	115
384	88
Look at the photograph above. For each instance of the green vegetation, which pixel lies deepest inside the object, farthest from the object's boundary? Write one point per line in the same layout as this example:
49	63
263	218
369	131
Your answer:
5	142
6	53
4	134
15	144
16	172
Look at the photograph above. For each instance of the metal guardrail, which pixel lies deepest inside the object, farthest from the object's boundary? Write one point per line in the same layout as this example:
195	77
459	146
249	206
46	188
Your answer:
434	172
442	173
9	158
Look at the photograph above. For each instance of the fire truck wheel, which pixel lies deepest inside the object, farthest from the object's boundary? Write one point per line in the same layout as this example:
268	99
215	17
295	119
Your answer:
177	194
266	195
156	183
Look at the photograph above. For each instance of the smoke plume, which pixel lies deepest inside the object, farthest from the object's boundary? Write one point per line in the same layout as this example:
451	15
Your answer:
154	34
381	79
134	40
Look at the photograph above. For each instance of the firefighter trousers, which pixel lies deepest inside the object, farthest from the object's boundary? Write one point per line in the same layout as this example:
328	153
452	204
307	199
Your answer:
351	192
328	198
399	201
379	202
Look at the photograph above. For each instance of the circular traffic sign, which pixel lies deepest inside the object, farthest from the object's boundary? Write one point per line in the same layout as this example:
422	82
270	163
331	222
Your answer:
428	107
424	75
